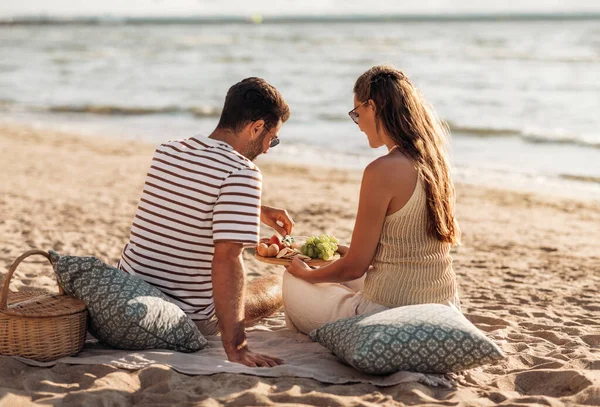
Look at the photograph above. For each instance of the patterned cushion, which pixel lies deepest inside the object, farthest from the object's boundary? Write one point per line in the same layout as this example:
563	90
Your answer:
125	311
428	338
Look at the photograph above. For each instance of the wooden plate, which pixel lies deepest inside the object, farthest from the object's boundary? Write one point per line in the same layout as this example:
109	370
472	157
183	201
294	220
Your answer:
287	262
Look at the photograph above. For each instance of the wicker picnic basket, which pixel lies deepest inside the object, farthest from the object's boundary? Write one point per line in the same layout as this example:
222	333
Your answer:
40	325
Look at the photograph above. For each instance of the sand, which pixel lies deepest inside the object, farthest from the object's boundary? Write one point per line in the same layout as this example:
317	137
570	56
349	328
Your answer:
529	274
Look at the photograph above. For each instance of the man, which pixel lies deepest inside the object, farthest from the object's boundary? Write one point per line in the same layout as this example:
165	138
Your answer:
200	206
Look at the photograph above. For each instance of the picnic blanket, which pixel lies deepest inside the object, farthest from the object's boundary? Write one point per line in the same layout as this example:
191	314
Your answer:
303	358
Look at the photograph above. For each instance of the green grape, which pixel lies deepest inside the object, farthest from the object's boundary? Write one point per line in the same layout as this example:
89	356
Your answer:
320	247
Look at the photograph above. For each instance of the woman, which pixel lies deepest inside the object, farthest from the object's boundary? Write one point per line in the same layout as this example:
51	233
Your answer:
405	226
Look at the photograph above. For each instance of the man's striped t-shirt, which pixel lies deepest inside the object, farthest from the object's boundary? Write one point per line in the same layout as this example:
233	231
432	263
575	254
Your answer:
198	191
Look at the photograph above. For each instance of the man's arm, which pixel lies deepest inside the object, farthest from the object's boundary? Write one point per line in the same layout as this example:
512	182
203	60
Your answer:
228	280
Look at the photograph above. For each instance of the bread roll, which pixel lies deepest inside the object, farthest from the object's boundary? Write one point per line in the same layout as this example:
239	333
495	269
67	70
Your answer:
262	249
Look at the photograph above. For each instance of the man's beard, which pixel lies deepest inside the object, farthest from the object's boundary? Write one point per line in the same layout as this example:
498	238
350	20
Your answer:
255	147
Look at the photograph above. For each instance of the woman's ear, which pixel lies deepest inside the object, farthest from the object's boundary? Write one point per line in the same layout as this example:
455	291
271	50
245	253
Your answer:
372	105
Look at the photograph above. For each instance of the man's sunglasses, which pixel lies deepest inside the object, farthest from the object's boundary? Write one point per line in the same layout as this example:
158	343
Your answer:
274	140
352	113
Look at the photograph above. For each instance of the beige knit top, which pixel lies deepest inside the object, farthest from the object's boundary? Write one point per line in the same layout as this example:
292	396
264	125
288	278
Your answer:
410	267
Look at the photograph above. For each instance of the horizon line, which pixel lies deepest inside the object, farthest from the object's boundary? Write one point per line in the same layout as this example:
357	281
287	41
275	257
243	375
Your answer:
44	19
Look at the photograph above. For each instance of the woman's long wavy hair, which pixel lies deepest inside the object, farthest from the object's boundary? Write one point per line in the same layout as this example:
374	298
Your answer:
418	133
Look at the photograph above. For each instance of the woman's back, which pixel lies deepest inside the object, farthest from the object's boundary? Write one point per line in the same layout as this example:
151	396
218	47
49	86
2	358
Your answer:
405	223
410	266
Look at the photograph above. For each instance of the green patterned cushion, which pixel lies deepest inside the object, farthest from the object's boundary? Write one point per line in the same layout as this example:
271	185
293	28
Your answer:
125	311
428	338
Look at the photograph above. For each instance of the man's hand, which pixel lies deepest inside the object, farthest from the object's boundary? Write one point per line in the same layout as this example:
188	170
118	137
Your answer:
252	359
270	216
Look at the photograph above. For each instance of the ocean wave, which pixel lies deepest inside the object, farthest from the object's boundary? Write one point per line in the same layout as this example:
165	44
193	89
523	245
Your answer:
530	135
332	117
527	134
482	131
559	138
113	110
581	178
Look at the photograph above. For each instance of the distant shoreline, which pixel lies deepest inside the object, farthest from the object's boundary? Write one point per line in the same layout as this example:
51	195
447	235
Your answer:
303	19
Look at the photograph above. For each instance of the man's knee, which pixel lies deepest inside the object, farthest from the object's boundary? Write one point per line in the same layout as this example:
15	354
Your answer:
263	298
265	287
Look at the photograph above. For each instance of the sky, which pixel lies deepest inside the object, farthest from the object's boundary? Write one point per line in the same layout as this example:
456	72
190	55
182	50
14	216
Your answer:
285	7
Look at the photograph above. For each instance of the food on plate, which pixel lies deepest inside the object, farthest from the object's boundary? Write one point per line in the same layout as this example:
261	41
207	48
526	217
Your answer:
316	247
263	249
288	241
281	248
320	247
276	239
283	252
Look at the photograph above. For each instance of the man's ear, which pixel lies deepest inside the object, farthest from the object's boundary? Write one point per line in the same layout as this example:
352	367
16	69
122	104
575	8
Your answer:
253	129
257	128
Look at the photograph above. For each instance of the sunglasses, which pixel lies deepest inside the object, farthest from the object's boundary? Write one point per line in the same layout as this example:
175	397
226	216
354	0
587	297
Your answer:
353	115
274	139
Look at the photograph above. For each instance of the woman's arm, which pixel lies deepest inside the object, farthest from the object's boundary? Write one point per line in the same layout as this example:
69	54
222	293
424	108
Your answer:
375	196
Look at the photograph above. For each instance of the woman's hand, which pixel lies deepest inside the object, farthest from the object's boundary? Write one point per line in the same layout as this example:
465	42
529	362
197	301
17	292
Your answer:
300	269
342	249
270	216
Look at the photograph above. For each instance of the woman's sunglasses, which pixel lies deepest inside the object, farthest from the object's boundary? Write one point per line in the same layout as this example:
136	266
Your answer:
353	115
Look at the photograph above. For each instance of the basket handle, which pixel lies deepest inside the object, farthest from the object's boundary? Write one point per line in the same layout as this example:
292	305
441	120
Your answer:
11	270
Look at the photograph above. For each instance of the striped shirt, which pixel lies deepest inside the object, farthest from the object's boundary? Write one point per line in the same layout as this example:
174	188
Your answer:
197	192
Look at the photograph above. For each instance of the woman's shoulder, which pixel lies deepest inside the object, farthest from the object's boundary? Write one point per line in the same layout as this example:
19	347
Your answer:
392	176
392	167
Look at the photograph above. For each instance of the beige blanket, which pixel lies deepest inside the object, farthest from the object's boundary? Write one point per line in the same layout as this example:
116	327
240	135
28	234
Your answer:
303	358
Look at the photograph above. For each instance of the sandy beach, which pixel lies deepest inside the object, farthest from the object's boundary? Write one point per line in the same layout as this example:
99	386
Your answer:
528	269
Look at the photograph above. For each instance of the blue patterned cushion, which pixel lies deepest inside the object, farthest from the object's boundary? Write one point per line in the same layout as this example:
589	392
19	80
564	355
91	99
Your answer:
125	311
428	338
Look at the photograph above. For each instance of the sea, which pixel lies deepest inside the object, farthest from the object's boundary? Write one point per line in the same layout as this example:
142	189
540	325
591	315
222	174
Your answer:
520	95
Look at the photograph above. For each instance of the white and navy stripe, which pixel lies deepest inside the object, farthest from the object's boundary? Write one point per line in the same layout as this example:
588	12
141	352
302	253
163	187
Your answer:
197	192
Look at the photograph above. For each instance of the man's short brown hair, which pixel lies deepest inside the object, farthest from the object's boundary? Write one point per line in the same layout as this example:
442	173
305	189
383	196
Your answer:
250	100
